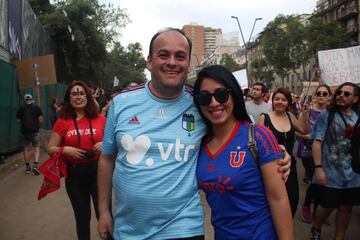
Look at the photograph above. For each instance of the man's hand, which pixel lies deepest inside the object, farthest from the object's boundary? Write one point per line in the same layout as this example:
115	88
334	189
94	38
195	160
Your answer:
105	224
320	176
284	164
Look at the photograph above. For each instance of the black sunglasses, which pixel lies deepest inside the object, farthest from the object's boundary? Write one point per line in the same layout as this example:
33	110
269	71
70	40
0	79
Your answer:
346	93
221	95
322	94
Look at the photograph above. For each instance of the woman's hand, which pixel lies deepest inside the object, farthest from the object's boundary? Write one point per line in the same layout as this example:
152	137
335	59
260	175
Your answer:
74	152
97	147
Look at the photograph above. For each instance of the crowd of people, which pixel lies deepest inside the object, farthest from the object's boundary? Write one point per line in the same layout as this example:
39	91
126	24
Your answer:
154	146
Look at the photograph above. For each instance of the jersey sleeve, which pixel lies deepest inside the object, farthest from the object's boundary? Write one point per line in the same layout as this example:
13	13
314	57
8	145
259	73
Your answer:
109	141
61	127
267	145
320	127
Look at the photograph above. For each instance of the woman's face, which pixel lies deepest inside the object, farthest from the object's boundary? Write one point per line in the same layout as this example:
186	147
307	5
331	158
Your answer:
322	95
78	98
216	103
280	103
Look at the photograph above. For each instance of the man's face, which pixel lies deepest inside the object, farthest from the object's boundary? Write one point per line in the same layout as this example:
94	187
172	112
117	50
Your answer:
256	92
345	97
169	64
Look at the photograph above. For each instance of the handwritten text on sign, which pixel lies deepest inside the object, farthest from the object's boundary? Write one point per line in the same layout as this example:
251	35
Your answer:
340	65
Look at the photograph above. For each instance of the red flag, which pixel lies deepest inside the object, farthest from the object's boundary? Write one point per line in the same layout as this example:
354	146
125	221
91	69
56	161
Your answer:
53	169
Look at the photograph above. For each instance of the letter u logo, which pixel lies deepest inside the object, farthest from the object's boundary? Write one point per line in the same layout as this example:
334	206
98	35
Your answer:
237	158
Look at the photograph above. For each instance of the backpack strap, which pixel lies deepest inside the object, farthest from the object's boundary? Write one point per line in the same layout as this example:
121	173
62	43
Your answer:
252	144
266	119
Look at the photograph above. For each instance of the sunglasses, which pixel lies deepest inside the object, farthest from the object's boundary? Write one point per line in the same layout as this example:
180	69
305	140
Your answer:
322	94
221	95
341	92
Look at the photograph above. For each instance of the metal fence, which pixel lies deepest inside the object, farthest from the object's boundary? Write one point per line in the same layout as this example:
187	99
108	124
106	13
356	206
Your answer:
11	98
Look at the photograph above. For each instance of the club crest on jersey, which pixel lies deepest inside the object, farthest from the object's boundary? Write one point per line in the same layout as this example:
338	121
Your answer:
237	158
188	122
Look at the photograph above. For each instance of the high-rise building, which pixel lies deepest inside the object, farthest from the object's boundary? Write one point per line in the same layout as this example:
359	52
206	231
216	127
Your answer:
211	35
203	40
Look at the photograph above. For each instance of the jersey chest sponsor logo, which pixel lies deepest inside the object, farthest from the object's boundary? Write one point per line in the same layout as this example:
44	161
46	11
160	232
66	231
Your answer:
237	158
221	186
137	148
81	132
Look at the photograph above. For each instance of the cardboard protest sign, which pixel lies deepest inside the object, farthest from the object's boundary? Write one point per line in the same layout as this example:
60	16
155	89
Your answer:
340	65
45	70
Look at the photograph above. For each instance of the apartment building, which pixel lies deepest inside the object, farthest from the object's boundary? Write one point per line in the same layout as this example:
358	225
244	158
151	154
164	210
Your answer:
345	11
203	40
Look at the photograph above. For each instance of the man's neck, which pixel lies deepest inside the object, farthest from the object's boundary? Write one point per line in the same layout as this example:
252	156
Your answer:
258	101
164	93
346	111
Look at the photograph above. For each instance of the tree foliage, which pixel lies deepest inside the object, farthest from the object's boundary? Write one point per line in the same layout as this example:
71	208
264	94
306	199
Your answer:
95	28
227	61
283	44
261	69
323	36
289	44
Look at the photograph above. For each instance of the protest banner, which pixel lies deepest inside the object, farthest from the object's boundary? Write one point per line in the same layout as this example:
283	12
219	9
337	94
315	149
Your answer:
340	65
241	78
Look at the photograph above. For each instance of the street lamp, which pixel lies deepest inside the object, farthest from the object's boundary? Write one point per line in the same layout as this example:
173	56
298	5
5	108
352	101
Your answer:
245	44
252	30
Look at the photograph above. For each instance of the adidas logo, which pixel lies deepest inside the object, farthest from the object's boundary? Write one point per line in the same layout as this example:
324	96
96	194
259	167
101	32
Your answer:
134	121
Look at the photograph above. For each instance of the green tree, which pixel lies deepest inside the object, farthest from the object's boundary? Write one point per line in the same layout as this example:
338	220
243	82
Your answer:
41	7
95	28
283	44
323	36
261	69
227	61
126	64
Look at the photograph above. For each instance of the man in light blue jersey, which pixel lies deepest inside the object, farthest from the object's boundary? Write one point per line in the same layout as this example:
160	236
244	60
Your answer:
151	142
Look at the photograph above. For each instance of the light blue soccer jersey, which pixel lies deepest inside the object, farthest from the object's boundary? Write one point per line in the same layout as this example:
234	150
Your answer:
157	143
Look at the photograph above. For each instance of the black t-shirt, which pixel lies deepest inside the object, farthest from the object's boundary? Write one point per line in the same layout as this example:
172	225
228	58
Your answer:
29	116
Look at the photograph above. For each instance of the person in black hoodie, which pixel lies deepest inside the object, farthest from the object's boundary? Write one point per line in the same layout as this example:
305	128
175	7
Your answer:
30	117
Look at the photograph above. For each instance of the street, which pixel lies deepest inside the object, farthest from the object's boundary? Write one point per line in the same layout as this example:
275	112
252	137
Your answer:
23	217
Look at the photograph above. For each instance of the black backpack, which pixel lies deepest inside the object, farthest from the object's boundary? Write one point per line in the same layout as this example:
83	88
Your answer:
355	147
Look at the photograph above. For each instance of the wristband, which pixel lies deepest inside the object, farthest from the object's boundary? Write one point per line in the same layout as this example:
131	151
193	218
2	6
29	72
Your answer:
318	166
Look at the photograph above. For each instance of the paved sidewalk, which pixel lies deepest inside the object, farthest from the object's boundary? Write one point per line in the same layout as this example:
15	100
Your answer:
23	217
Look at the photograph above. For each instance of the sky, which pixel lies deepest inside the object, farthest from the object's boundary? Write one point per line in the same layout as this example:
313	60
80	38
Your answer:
149	16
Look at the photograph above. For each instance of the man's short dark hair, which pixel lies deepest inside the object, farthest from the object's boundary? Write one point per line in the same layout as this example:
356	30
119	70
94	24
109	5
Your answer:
264	89
151	48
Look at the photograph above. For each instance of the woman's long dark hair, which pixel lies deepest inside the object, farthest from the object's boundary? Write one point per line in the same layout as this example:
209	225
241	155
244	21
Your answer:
226	78
91	110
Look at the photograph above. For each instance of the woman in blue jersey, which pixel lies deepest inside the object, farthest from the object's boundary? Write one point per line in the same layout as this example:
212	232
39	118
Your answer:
244	190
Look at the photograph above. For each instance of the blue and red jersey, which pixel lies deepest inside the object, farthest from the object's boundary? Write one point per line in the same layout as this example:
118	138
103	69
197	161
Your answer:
232	182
